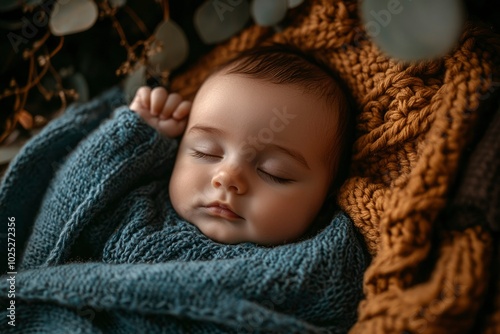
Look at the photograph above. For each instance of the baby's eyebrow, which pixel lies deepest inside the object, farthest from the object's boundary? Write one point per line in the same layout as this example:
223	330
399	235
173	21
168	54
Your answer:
291	152
206	129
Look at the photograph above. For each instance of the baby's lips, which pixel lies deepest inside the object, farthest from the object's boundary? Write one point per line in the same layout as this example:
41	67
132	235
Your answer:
222	208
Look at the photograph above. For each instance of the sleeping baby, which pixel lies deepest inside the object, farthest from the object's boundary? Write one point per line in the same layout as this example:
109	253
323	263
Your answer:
263	143
106	232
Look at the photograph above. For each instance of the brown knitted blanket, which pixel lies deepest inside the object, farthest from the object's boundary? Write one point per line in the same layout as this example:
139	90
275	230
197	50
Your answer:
414	122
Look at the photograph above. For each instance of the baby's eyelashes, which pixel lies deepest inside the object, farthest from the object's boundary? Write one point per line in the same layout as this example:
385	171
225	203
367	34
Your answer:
206	156
266	175
274	178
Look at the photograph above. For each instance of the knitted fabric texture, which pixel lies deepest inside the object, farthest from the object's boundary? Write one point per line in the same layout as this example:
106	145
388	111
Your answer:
477	202
413	122
107	252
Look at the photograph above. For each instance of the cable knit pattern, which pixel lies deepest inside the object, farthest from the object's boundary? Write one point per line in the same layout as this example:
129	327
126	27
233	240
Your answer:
413	123
107	252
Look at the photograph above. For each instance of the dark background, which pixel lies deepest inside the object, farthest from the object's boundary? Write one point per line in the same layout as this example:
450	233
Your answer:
96	54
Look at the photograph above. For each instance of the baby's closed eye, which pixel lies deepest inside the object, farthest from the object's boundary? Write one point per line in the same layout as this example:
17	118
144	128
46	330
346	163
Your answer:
206	156
270	176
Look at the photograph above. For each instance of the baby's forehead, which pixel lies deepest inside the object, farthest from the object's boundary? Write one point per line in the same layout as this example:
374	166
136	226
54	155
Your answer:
329	92
268	95
273	105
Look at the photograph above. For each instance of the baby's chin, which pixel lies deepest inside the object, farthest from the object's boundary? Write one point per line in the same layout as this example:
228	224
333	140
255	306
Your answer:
218	233
223	236
229	233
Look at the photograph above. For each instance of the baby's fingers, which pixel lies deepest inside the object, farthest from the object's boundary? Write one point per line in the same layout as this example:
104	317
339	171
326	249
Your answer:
182	110
159	96
172	128
173	100
141	101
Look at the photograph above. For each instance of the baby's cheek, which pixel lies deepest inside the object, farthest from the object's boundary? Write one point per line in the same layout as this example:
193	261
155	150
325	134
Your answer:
176	191
280	219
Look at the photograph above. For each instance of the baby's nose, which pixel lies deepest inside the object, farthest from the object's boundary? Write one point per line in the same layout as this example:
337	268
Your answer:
231	179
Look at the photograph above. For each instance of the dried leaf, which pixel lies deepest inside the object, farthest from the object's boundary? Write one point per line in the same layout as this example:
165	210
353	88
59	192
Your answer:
25	119
414	30
217	20
268	13
72	16
174	46
134	80
294	3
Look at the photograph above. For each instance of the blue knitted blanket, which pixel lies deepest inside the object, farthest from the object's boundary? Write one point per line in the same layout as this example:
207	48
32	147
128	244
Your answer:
99	248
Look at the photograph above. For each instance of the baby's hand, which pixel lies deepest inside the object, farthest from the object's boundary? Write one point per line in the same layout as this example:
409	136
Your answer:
167	113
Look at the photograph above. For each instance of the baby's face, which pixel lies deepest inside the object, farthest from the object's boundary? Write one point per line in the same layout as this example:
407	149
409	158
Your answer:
251	165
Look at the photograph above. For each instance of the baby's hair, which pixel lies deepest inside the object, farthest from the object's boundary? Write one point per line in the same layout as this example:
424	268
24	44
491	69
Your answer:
284	64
